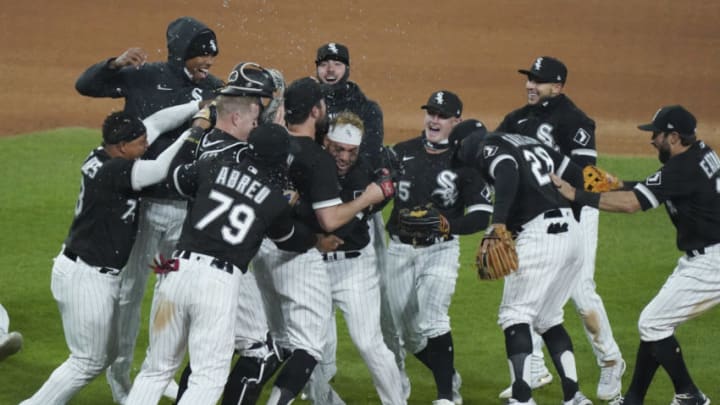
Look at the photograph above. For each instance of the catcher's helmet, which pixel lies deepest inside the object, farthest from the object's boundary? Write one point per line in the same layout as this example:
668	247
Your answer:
249	79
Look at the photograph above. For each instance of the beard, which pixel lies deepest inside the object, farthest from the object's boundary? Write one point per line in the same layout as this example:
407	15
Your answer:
322	126
663	155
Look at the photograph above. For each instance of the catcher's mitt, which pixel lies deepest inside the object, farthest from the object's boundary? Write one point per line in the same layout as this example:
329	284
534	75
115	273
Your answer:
422	225
270	114
598	180
206	117
496	256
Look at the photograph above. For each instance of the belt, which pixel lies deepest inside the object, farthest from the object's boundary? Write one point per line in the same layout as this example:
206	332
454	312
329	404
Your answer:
340	254
695	252
102	269
556	213
224	265
419	242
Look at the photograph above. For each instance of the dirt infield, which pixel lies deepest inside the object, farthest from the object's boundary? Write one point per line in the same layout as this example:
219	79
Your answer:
625	58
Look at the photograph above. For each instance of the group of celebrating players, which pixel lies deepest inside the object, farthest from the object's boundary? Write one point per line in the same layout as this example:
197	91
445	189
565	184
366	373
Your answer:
259	207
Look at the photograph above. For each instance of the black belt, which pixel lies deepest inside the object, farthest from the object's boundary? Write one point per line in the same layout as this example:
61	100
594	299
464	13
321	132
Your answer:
224	265
695	252
104	270
420	241
340	254
556	213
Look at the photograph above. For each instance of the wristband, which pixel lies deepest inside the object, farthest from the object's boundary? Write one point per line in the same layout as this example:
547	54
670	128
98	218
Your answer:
583	197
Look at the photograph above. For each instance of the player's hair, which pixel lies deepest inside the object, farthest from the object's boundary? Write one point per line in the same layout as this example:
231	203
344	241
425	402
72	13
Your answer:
230	104
349	118
295	119
687	139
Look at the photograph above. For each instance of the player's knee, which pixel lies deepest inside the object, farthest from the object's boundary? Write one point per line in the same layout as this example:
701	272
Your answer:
651	330
88	368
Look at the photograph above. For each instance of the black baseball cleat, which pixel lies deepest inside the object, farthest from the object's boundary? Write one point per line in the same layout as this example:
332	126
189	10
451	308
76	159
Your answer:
697	398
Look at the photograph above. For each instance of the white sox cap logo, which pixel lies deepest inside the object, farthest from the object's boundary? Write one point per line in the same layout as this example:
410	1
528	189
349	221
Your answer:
538	64
439	97
333	48
213	46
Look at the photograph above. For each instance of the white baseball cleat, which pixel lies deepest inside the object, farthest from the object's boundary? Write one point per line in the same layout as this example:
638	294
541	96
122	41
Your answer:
456	384
610	383
516	402
442	402
578	399
10	344
691	399
538	380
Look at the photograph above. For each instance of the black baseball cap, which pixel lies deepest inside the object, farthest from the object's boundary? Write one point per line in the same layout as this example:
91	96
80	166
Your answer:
546	69
672	118
302	95
270	144
333	51
446	103
465	128
122	127
203	44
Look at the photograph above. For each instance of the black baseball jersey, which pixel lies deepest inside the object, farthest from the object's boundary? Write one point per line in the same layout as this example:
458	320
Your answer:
152	87
103	230
689	186
217	143
234	207
558	123
519	168
429	178
348	97
356	233
314	176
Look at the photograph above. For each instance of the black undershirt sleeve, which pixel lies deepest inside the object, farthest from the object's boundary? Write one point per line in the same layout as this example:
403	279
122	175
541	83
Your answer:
506	184
470	223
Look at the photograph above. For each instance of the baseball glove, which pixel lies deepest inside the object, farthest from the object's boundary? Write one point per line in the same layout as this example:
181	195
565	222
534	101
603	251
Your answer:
206	117
422	224
496	256
598	180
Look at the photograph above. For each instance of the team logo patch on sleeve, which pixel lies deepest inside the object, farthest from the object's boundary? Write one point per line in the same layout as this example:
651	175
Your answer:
489	151
654	179
582	137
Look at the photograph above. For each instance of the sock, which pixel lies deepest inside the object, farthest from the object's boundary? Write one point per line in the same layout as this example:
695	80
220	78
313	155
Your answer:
645	366
518	347
560	348
441	357
423	355
668	354
296	372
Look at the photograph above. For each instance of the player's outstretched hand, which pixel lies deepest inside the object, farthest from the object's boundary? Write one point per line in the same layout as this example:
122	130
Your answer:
567	190
132	57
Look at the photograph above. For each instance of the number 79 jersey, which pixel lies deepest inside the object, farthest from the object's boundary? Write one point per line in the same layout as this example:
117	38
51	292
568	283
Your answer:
532	162
232	208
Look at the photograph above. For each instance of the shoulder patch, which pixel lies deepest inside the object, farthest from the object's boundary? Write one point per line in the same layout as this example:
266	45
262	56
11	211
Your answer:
654	179
582	137
489	151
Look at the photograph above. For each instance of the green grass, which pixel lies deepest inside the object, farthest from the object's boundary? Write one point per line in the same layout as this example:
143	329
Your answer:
636	254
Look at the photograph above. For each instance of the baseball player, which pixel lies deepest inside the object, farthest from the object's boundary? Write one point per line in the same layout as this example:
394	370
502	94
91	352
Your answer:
421	275
552	118
234	206
296	287
549	251
147	88
688	184
238	109
353	275
10	342
86	273
332	67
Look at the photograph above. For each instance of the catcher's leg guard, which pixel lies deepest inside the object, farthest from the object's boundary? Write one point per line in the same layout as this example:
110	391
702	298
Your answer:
249	375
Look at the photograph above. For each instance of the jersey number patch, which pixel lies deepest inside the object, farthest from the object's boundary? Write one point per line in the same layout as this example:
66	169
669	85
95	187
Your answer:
541	164
240	218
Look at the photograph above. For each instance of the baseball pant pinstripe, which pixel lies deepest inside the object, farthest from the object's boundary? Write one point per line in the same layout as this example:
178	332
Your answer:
692	289
356	293
159	228
296	292
87	300
588	302
251	325
420	285
549	267
193	308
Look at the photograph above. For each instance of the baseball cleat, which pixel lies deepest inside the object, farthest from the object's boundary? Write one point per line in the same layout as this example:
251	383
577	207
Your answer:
610	383
10	344
578	399
538	381
442	402
691	399
514	401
